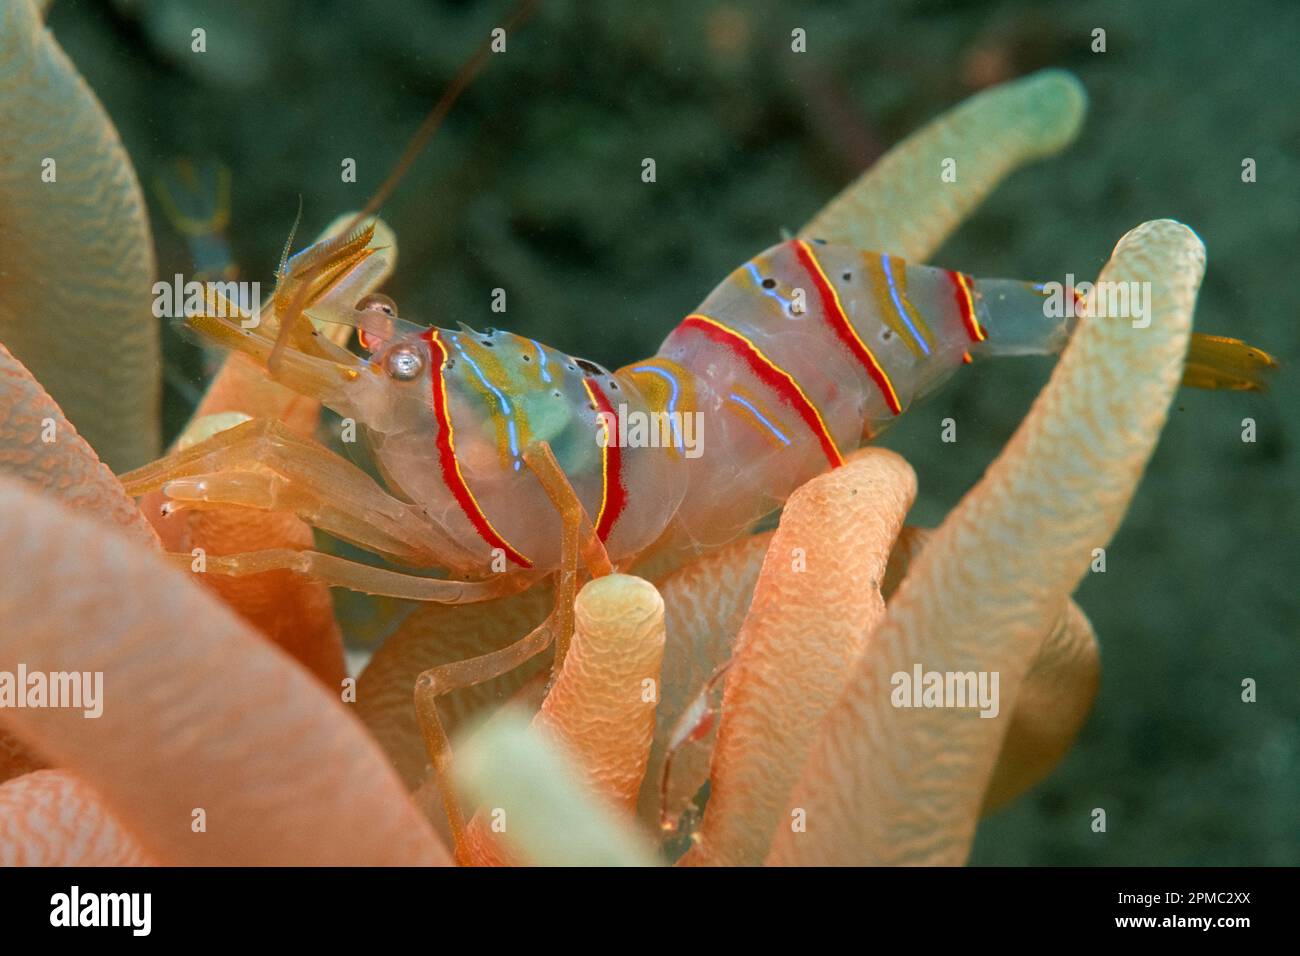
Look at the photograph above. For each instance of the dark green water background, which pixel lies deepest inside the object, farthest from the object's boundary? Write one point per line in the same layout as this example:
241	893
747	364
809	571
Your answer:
534	186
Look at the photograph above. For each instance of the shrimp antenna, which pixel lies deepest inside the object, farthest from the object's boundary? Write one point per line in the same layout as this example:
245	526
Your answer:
413	148
288	243
435	117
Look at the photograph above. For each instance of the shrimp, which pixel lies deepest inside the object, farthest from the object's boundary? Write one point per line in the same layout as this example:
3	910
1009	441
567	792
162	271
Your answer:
799	356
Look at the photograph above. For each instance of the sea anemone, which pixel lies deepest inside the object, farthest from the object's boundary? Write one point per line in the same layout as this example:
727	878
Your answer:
229	732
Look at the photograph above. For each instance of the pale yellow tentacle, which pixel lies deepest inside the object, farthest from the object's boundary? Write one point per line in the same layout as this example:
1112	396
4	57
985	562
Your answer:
904	204
1050	709
601	710
602	706
546	813
76	294
1056	697
793	656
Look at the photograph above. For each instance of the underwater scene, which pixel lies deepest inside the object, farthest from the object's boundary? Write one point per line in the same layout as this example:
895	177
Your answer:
704	432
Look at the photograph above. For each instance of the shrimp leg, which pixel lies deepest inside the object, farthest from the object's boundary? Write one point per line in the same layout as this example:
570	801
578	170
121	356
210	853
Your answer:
263	464
356	576
578	539
278	469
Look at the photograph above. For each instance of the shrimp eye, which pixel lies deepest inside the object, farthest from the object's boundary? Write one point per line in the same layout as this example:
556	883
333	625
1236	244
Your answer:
404	363
378	302
376	315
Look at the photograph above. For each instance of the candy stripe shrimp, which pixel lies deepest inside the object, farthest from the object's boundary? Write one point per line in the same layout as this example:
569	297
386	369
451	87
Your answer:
799	356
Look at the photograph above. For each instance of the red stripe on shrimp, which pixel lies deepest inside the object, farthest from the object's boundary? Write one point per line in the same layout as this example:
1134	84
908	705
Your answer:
772	375
839	322
966	306
613	493
450	464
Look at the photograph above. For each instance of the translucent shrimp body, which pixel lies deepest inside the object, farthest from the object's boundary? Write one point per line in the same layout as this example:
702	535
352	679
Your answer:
800	355
796	358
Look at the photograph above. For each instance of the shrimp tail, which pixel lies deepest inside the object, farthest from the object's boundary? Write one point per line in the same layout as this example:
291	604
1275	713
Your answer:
1024	318
1215	361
